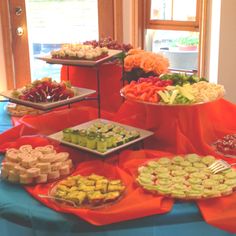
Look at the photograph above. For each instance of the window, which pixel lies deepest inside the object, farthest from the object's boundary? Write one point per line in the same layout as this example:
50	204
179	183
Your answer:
48	29
175	29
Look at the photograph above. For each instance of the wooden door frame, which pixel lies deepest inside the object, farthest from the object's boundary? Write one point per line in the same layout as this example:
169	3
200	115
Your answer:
138	23
7	45
110	19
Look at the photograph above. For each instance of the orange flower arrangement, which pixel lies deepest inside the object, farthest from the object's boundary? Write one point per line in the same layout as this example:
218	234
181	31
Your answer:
139	63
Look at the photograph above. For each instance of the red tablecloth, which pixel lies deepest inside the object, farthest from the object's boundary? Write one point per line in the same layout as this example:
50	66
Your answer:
176	130
110	77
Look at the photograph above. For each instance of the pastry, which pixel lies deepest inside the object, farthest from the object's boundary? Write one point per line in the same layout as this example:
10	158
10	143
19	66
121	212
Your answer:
33	172
41	178
28	165
25	179
92	190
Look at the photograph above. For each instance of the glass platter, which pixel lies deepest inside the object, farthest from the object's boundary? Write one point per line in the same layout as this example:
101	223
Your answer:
164	104
221	153
76	62
228	141
143	135
71	204
187	187
80	94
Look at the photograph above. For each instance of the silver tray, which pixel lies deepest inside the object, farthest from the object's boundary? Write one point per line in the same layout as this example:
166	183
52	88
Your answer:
143	134
77	62
164	104
81	93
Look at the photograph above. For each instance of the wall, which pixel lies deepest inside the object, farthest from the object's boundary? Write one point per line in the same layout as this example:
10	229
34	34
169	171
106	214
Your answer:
212	39
127	21
3	85
227	49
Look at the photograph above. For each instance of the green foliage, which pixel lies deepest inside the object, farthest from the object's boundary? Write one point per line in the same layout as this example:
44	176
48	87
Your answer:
182	78
188	41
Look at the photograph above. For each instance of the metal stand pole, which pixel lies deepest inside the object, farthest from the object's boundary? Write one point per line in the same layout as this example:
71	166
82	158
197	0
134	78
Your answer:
98	92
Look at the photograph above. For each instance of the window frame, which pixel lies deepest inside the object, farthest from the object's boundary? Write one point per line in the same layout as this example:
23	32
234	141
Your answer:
196	26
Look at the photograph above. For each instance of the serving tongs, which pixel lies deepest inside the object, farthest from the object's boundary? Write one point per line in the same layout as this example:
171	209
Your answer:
58	199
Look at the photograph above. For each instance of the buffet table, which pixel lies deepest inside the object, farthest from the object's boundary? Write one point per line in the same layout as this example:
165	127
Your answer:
22	214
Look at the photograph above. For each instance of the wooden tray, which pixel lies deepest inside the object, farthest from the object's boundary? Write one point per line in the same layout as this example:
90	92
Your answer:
77	62
81	93
143	134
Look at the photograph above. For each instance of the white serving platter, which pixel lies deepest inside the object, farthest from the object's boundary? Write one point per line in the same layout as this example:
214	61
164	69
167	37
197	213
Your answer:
122	93
77	62
143	135
80	94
